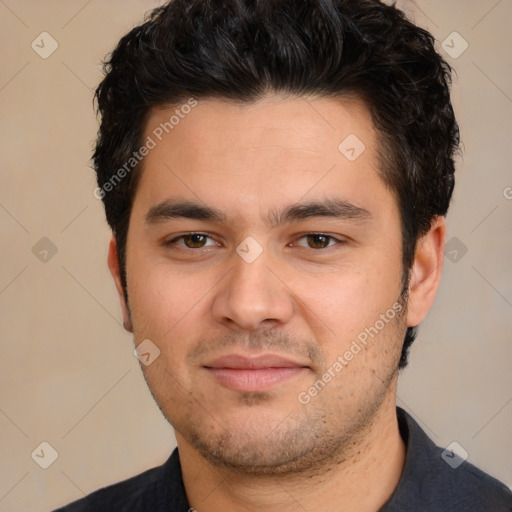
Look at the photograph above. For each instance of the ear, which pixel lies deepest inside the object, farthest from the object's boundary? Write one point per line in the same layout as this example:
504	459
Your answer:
426	272
113	265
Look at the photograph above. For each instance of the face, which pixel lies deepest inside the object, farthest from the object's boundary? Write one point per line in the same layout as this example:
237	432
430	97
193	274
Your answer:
264	262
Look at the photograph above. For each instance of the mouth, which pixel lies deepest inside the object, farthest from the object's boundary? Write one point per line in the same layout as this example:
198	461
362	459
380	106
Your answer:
254	374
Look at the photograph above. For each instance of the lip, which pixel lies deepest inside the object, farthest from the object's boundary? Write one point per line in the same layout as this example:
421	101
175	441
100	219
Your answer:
241	362
253	374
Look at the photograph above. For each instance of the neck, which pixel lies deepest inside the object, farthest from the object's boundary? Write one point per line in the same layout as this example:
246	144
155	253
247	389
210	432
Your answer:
362	481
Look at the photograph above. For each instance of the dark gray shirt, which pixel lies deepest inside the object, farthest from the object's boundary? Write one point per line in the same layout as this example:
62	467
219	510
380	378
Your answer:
428	484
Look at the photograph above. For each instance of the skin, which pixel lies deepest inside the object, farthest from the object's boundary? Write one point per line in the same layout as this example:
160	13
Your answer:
303	298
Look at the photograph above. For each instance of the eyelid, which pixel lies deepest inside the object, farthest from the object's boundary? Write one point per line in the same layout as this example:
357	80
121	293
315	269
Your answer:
174	239
339	241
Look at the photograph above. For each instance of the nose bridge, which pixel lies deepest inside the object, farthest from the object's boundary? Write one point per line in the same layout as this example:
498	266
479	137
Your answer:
251	278
252	294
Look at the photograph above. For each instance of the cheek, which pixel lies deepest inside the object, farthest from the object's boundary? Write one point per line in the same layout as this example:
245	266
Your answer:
159	296
163	311
351	300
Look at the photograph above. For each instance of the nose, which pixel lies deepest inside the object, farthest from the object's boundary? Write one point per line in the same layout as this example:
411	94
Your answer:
252	297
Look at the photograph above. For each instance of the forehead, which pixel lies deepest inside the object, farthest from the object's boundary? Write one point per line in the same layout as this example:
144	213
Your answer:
277	149
307	124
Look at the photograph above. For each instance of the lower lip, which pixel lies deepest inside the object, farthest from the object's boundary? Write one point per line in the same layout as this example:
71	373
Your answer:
254	380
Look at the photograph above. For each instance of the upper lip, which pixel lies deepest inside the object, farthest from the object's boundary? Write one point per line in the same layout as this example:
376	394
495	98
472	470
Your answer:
240	362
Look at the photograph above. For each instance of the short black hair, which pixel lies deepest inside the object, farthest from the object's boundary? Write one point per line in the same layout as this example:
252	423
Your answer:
243	49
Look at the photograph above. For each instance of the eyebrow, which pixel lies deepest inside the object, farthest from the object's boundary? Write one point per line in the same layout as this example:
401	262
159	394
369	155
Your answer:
174	209
336	208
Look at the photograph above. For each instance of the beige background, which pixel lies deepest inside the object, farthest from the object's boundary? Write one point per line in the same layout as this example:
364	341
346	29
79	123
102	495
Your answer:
67	372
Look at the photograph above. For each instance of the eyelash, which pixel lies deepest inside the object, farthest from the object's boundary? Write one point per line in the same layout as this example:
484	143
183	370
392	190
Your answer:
330	237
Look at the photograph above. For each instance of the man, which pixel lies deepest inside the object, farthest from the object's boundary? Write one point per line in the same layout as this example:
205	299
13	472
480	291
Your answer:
276	175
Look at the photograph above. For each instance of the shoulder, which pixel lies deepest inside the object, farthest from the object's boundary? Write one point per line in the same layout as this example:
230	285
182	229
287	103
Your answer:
436	479
156	489
466	487
118	496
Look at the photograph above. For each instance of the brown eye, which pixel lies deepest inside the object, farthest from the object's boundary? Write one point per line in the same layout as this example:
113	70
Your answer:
318	241
194	240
